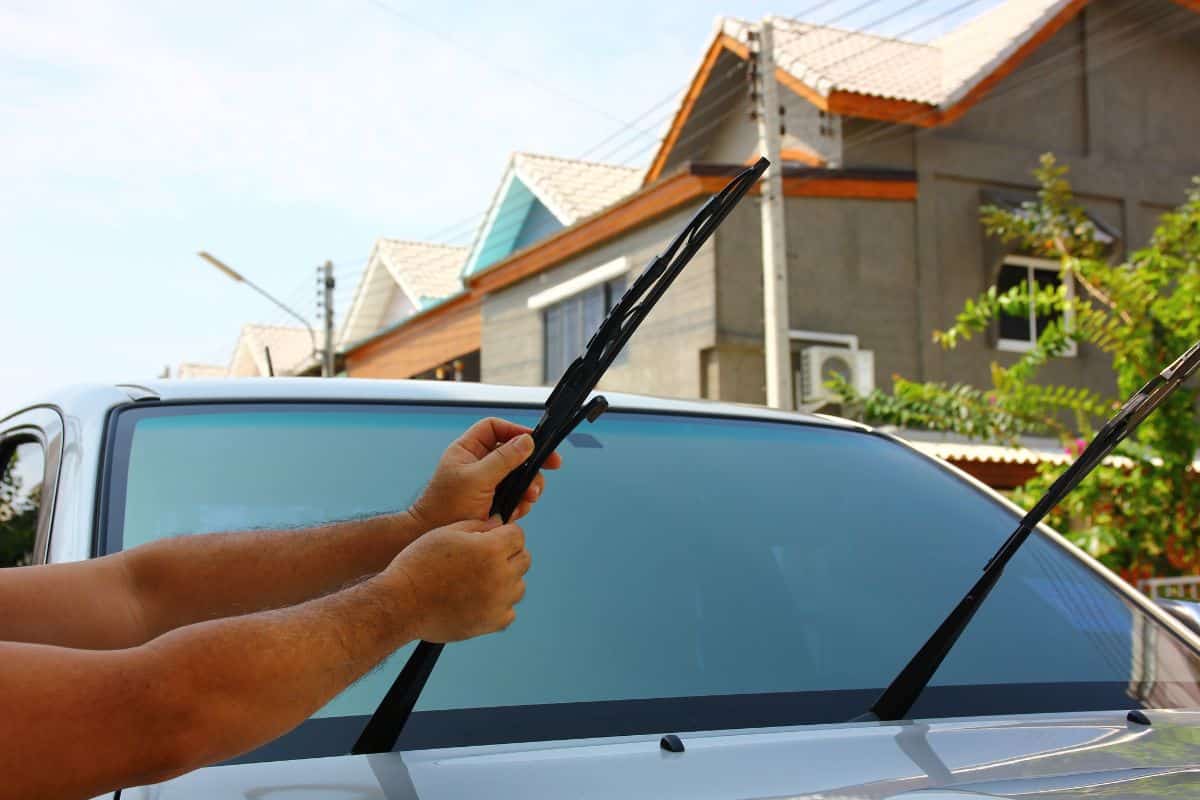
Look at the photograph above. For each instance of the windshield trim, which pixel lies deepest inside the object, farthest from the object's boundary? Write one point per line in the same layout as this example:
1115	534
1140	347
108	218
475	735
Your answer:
502	725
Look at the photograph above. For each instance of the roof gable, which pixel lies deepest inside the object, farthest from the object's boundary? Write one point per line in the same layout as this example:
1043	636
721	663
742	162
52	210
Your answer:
401	274
292	351
505	221
540	195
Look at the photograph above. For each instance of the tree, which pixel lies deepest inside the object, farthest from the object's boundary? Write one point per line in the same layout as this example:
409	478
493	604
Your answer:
1138	513
18	517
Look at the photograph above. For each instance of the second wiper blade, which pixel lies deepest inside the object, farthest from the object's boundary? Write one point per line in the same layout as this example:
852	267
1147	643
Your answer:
566	407
897	700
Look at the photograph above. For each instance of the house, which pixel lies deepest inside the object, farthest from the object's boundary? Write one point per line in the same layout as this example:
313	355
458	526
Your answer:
402	280
890	149
192	371
537	197
265	350
262	351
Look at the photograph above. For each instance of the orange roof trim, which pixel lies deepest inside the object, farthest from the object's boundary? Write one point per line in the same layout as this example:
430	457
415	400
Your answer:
854	104
689	184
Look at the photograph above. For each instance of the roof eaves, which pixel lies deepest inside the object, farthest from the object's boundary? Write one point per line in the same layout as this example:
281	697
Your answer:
721	41
700	170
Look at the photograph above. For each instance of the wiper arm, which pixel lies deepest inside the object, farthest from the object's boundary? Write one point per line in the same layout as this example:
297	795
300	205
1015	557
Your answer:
566	407
898	698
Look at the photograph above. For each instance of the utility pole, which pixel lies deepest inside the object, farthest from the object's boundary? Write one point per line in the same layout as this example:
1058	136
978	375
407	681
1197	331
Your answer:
327	283
768	114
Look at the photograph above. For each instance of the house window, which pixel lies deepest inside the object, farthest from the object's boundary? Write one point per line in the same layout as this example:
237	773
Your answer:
568	323
1020	333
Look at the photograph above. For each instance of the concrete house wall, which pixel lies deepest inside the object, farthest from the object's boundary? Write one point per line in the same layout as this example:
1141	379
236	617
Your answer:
1120	111
663	359
851	269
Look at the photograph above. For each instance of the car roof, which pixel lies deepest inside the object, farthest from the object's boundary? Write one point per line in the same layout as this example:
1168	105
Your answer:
78	398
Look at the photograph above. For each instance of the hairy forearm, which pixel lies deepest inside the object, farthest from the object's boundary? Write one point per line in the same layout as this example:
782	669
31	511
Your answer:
84	722
302	656
187	579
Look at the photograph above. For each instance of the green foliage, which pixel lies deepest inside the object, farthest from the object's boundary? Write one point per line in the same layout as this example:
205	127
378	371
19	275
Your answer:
1141	514
18	518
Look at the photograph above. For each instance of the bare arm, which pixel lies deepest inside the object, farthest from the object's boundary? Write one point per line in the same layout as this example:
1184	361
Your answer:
81	722
129	598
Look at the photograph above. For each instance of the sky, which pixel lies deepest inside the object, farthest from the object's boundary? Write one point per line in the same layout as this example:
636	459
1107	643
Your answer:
278	135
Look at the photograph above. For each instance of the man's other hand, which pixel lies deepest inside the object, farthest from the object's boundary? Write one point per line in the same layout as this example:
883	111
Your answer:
464	578
472	467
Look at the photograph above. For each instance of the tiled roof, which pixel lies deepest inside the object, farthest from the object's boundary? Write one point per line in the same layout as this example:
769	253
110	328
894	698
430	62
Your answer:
190	371
574	189
972	51
426	272
826	59
990	453
291	350
939	73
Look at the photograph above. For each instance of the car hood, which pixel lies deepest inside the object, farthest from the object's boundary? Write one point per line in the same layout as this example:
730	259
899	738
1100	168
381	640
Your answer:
1093	755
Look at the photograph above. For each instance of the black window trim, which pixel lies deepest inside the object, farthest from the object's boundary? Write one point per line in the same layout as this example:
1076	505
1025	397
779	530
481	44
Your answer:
1031	264
41	425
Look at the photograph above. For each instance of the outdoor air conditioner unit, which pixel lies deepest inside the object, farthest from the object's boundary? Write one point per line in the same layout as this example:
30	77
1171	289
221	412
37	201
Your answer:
818	361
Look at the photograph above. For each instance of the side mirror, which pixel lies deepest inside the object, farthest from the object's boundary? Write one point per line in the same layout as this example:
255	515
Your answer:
1185	611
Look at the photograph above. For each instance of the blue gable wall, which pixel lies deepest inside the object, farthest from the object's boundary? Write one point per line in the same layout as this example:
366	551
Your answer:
539	223
520	220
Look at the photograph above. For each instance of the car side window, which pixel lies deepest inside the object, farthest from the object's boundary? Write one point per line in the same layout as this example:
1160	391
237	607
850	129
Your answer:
24	464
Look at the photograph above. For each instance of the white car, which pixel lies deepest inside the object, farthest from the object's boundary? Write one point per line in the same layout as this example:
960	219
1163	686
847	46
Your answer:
743	579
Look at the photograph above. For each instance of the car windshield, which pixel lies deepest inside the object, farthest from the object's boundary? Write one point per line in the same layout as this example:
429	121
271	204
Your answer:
689	573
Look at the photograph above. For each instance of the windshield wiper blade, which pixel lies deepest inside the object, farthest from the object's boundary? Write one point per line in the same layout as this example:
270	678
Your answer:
566	407
898	698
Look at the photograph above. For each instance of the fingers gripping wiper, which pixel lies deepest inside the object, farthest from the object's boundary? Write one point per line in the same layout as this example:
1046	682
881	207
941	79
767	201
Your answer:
566	407
898	698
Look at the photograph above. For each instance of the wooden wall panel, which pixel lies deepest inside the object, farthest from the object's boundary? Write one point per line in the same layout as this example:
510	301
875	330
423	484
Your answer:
446	333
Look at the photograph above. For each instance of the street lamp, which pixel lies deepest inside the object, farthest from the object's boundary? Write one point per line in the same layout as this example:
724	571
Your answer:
233	274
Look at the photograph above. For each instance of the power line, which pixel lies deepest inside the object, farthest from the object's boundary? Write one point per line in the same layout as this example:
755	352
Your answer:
507	225
1037	79
442	233
491	63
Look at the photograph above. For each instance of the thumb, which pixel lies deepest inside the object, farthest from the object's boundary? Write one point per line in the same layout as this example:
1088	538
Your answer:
507	457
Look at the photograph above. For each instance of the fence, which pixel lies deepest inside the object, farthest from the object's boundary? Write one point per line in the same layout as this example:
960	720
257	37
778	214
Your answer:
1186	588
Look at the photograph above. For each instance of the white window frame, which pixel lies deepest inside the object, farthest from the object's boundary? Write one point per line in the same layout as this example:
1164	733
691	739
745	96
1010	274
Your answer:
579	284
1030	264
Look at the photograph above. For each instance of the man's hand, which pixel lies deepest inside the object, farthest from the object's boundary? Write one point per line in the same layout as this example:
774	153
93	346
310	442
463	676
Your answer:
472	467
464	579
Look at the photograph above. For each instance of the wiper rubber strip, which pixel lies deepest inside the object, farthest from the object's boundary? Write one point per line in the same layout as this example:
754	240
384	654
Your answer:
566	407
